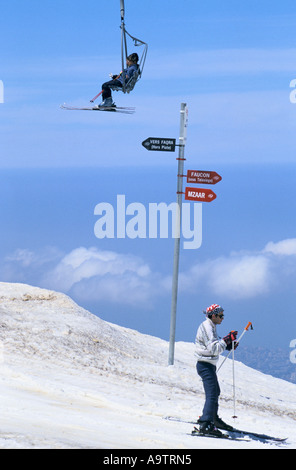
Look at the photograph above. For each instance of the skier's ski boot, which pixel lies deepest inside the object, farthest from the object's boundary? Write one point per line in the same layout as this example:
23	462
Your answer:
220	424
207	428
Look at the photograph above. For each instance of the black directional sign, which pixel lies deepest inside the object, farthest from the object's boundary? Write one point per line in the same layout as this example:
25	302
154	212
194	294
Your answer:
160	144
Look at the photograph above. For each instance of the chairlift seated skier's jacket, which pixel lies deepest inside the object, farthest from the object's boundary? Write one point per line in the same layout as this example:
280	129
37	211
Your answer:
208	346
128	72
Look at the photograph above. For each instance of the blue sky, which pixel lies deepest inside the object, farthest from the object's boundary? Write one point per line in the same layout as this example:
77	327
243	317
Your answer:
232	63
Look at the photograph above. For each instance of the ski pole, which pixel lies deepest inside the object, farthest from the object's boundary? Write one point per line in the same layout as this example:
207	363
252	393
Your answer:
91	101
233	381
94	99
245	329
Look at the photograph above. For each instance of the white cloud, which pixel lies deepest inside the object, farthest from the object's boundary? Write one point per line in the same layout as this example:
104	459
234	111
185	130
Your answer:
24	265
241	277
28	258
285	247
24	257
88	274
99	275
84	263
244	275
236	276
94	274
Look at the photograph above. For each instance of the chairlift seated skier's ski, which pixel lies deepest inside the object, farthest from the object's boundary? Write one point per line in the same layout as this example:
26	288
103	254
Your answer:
115	109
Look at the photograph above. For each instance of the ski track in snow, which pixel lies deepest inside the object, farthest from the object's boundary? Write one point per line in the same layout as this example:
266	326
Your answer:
70	380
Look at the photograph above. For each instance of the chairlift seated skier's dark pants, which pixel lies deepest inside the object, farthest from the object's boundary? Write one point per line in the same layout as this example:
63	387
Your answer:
107	90
128	73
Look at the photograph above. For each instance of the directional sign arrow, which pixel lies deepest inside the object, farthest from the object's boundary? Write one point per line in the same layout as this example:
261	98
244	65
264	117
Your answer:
203	177
199	194
160	144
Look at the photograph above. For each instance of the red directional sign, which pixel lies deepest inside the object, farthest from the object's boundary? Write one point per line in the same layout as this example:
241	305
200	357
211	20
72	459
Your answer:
199	194
203	177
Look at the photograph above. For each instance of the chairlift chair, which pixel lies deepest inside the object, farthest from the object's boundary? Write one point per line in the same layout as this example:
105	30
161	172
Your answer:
128	86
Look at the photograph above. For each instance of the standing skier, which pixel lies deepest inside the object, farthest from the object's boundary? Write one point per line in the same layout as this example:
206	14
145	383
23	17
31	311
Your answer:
208	347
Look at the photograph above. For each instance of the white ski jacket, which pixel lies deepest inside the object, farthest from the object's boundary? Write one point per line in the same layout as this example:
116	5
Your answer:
207	344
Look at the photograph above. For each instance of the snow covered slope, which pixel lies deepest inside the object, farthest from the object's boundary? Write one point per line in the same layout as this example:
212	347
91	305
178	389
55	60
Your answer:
70	380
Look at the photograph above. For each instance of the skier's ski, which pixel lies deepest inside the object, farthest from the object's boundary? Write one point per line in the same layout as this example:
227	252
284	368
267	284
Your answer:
259	436
179	420
253	435
196	432
115	109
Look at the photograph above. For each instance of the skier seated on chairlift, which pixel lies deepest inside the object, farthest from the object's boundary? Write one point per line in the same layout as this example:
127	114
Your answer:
117	80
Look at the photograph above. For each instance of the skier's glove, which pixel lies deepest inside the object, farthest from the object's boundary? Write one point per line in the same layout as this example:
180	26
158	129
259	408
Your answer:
229	339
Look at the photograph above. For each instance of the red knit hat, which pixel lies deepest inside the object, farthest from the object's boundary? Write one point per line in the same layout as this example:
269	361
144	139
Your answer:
213	309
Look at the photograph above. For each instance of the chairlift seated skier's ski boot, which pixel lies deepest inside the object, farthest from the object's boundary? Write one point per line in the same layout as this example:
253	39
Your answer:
107	103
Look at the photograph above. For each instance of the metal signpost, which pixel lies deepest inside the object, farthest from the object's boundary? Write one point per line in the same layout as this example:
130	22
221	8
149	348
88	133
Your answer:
191	194
181	159
163	144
